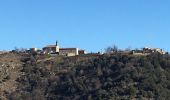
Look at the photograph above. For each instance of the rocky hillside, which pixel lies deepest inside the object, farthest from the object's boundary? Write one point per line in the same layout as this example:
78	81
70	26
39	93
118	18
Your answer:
87	77
10	66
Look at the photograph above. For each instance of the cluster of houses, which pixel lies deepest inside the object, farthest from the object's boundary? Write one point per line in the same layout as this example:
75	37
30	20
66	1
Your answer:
55	49
147	51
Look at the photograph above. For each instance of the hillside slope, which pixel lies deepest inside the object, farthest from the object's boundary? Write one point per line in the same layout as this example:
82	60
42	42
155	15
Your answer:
10	66
100	77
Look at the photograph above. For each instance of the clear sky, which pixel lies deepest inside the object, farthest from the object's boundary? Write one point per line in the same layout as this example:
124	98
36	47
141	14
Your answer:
88	24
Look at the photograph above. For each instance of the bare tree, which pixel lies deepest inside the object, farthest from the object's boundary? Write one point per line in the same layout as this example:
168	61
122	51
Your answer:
128	49
111	49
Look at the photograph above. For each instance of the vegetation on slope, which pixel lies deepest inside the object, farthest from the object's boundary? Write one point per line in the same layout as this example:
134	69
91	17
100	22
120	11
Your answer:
10	66
103	77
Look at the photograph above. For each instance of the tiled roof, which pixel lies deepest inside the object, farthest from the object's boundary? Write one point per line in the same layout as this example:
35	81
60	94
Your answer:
68	48
50	46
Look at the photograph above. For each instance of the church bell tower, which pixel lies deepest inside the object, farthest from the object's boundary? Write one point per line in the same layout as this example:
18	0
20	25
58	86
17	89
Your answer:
57	47
56	43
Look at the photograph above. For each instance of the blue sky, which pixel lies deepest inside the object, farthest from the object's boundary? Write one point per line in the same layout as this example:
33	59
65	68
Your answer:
88	24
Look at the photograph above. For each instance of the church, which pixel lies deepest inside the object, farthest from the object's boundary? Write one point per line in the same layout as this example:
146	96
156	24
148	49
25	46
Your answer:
55	49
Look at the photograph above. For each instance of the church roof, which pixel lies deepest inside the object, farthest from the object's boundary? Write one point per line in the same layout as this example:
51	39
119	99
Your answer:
68	48
49	46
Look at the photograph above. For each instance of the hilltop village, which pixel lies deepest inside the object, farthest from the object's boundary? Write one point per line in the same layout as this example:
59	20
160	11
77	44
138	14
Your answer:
55	50
55	73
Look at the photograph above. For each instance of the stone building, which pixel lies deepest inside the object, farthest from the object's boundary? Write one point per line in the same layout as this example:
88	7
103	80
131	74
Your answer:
51	49
69	51
81	52
55	49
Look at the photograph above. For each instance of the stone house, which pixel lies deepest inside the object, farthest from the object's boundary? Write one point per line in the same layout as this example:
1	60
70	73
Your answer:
69	51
